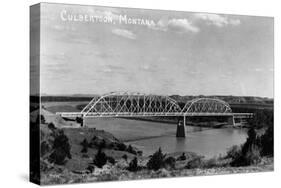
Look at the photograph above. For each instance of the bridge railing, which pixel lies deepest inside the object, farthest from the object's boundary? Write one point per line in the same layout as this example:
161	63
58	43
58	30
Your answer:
128	114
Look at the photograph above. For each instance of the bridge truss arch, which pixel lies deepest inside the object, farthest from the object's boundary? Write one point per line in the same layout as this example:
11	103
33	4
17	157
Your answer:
131	104
206	106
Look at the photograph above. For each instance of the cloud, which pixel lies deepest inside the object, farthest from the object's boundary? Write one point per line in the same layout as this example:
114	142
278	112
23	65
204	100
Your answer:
258	69
176	25
234	22
124	33
217	20
149	68
182	25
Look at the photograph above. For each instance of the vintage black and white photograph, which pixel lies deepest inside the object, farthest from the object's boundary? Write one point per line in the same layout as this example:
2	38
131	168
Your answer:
126	93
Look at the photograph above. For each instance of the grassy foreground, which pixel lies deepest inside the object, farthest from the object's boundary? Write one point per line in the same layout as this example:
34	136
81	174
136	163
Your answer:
117	172
76	169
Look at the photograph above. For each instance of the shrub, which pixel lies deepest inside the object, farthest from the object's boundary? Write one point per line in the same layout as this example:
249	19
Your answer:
44	148
234	152
125	157
51	126
100	158
121	147
182	157
58	156
156	161
130	149
139	153
195	163
253	155
211	163
90	168
84	149
85	146
98	142
267	142
249	152
42	119
262	118
85	155
102	144
170	162
111	160
133	165
61	149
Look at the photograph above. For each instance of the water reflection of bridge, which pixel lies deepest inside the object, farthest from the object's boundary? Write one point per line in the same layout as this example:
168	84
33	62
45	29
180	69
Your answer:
124	104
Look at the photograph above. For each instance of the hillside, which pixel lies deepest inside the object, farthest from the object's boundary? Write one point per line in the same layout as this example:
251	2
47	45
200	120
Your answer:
229	99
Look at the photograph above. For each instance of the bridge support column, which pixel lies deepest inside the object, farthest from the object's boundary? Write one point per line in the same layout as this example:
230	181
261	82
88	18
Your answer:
83	121
181	128
231	121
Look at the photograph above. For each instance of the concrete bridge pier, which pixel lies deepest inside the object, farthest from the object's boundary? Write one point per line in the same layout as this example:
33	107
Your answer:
83	121
181	128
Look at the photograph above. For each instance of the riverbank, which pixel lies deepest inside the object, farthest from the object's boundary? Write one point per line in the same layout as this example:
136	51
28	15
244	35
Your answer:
118	173
80	167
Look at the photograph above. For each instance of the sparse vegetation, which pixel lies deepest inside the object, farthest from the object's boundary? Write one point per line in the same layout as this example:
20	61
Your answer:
267	142
195	163
253	149
61	149
85	146
133	165
170	163
156	161
42	119
111	160
130	149
100	158
182	157
125	157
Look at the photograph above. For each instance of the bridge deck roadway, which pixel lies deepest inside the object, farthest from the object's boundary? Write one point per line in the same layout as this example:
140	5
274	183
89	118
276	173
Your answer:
148	114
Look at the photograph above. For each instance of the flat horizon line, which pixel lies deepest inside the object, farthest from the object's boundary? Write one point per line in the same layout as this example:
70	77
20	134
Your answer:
89	95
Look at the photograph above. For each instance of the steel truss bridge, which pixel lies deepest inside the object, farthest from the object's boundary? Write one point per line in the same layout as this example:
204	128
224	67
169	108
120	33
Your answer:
125	104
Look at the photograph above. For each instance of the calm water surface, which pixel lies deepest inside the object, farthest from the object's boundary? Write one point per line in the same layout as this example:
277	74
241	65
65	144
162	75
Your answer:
149	136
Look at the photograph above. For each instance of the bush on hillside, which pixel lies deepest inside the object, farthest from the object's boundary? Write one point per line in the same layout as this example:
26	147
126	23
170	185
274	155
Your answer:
267	142
100	158
130	149
133	165
44	148
51	126
111	160
42	119
125	157
170	163
156	161
61	149
249	152
195	163
121	146
182	157
84	145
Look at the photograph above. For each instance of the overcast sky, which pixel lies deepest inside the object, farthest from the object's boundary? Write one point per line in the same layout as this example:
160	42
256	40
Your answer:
182	53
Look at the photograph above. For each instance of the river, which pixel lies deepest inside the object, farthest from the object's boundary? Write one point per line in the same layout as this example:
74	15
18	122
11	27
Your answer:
149	136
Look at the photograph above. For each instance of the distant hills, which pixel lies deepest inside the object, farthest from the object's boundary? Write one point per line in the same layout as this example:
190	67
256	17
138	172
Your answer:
182	99
229	99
